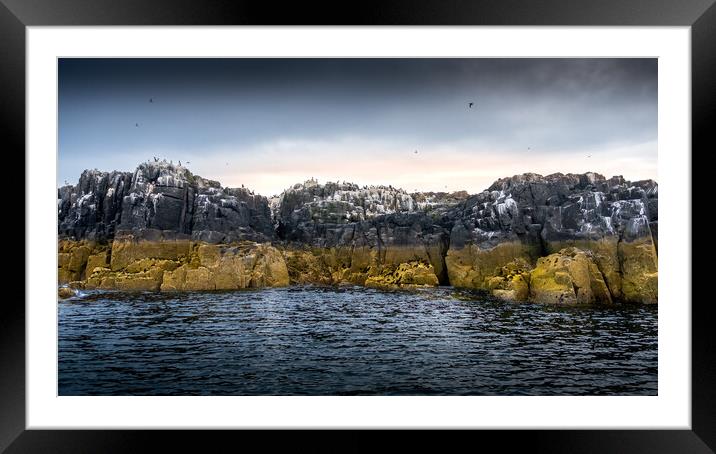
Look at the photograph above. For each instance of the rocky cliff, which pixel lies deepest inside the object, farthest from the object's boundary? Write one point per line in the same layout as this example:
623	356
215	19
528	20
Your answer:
161	196
560	239
529	216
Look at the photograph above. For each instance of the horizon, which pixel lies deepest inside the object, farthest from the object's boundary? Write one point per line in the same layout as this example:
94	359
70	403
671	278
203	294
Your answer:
360	185
270	123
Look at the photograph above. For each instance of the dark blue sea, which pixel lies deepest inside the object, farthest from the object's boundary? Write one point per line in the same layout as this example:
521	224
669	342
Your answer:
350	341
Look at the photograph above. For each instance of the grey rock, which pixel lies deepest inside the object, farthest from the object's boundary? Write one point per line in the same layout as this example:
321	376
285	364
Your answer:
533	209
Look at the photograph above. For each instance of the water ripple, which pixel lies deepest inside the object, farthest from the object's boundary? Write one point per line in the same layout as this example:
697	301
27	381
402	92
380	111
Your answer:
350	341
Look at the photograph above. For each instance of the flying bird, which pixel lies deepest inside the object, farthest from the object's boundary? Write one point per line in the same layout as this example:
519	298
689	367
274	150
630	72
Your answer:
470	104
136	125
151	99
188	162
416	151
155	159
589	156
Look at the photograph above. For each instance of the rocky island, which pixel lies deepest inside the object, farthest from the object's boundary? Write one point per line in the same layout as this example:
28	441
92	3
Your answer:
558	239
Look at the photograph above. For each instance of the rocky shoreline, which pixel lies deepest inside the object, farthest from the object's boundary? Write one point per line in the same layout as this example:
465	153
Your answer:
556	239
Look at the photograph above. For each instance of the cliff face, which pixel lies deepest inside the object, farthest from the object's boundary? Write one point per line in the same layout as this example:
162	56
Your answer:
365	232
529	216
161	196
93	208
526	238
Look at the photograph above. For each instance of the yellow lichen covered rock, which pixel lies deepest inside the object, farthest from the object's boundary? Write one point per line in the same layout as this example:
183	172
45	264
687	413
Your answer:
228	267
127	249
603	271
64	276
604	253
342	265
98	260
405	275
307	267
198	279
640	276
66	292
147	264
72	259
472	266
78	258
360	266
63	259
361	260
142	275
269	269
94	280
173	281
209	254
149	281
512	282
569	276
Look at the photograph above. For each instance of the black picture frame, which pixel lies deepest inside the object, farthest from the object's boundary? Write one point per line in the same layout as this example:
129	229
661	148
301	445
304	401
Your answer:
16	15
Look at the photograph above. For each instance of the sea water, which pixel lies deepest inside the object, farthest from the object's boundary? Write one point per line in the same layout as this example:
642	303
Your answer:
350	341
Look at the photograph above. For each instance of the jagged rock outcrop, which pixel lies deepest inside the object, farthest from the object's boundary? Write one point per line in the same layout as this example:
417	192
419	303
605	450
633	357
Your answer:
230	214
528	216
526	238
161	196
335	203
353	229
93	208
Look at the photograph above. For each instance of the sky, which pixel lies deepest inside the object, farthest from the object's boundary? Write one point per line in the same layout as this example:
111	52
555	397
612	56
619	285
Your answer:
270	123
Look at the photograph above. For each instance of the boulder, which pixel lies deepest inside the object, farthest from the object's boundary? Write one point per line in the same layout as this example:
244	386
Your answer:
568	277
511	283
66	292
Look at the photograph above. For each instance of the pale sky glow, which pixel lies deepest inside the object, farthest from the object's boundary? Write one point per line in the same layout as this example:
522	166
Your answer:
268	167
267	126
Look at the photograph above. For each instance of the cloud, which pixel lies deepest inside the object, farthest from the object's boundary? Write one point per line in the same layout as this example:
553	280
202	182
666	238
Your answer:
273	166
279	121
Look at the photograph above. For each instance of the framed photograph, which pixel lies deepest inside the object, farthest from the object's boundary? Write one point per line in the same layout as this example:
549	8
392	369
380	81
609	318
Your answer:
447	218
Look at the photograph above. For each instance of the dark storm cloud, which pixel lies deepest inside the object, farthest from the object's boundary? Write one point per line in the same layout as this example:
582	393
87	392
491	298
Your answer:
355	79
552	105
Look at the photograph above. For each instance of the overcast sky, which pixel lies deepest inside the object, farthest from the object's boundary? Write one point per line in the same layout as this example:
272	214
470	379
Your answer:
270	123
